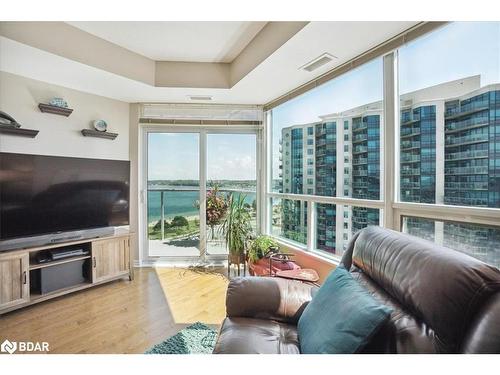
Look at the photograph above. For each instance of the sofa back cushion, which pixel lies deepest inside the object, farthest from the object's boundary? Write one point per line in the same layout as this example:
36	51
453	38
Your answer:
341	318
439	289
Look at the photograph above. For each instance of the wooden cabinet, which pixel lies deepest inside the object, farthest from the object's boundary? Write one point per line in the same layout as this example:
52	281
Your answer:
14	279
110	258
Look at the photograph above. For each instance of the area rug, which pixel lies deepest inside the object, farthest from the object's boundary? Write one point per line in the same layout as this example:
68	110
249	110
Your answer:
198	338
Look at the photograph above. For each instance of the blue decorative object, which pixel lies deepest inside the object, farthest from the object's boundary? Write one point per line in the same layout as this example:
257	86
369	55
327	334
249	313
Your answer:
58	102
341	318
100	125
198	338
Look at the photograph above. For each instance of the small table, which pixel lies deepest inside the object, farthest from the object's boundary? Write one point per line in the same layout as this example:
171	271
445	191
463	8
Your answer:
304	274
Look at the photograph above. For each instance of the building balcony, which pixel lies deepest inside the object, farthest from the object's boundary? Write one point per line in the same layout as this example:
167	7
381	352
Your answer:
361	172
468	139
467	155
466	185
359	138
409	132
359	126
410	185
410	158
410	171
359	161
466	170
359	149
479	202
409	145
465	111
466	124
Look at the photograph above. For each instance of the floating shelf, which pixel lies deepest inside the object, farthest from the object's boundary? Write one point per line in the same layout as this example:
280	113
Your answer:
47	108
30	133
97	134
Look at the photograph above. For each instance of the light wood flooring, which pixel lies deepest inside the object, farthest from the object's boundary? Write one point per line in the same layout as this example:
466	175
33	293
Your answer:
122	316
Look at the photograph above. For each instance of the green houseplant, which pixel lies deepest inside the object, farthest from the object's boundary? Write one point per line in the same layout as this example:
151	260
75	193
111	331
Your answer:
236	228
259	247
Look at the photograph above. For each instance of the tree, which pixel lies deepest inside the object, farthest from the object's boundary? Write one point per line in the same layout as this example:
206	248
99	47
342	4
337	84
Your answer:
179	221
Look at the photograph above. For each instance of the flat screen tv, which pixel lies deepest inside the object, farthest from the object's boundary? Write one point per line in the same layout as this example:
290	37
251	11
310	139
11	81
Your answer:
44	199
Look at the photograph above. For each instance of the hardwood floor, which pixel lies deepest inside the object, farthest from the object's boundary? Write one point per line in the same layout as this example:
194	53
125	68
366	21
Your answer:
123	316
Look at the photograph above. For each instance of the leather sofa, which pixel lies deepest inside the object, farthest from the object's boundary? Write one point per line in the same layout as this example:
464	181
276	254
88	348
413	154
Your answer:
443	301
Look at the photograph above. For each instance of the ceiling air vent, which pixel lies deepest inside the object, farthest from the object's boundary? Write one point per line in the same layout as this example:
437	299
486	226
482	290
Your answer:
200	97
318	62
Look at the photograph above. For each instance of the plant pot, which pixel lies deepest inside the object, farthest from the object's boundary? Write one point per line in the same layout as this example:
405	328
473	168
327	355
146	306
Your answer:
236	258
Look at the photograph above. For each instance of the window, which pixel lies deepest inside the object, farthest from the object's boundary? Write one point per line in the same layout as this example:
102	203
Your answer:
448	142
328	112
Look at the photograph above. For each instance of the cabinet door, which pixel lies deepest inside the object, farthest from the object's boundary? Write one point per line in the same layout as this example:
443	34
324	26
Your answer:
14	280
110	258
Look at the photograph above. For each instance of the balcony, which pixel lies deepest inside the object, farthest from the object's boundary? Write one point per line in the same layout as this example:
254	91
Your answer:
466	110
410	171
410	158
466	185
468	139
467	124
359	149
408	145
467	155
361	172
479	202
359	138
359	161
409	132
359	126
466	170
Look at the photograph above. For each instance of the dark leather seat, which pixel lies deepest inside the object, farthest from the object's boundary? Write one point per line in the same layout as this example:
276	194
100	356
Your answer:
444	301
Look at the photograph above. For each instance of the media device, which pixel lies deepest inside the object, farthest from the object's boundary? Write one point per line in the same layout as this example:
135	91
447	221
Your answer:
51	199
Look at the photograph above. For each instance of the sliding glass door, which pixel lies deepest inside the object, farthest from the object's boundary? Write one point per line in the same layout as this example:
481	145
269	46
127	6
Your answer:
173	194
231	173
191	177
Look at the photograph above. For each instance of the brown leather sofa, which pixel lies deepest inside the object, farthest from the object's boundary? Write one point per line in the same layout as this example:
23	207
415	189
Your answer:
444	301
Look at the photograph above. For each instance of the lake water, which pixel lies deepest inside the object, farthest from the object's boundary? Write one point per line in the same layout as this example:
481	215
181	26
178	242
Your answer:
182	203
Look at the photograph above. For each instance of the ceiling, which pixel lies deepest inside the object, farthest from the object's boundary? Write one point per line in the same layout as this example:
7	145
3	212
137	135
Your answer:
274	76
177	41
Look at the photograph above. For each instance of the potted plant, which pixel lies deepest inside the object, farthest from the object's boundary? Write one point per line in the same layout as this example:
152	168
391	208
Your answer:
216	208
236	229
259	247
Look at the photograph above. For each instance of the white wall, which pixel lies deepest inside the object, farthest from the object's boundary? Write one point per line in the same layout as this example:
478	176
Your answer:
61	135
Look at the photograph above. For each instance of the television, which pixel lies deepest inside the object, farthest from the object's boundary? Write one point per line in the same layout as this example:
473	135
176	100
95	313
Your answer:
48	199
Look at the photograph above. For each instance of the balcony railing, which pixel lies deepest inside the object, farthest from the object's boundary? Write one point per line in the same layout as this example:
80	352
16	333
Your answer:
469	123
467	155
467	170
466	185
410	158
473	138
410	171
405	145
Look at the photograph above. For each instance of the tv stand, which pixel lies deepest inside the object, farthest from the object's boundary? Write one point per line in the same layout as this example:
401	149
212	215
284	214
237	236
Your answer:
26	280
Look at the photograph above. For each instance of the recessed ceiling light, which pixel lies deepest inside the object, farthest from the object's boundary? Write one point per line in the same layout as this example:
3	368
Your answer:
200	97
318	62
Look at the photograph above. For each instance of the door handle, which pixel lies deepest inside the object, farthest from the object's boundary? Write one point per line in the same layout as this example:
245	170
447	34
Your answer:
24	277
94	262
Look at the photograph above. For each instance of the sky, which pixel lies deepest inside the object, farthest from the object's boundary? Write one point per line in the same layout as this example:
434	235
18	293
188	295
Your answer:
455	51
175	156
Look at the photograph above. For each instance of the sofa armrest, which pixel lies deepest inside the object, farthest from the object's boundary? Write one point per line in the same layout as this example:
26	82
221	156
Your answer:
268	298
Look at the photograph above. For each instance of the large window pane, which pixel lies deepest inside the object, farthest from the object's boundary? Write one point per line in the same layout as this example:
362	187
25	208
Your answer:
479	241
328	140
450	116
336	224
231	170
289	220
173	194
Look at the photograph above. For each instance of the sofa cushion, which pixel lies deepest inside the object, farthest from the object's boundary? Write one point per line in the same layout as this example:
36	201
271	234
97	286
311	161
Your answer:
341	318
256	336
439	286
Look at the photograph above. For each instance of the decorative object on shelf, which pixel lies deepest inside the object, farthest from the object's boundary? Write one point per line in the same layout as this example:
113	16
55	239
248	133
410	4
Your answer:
58	102
100	125
8	120
98	134
47	108
10	126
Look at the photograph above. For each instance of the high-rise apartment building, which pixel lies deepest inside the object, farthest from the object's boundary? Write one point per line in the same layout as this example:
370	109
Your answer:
449	154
